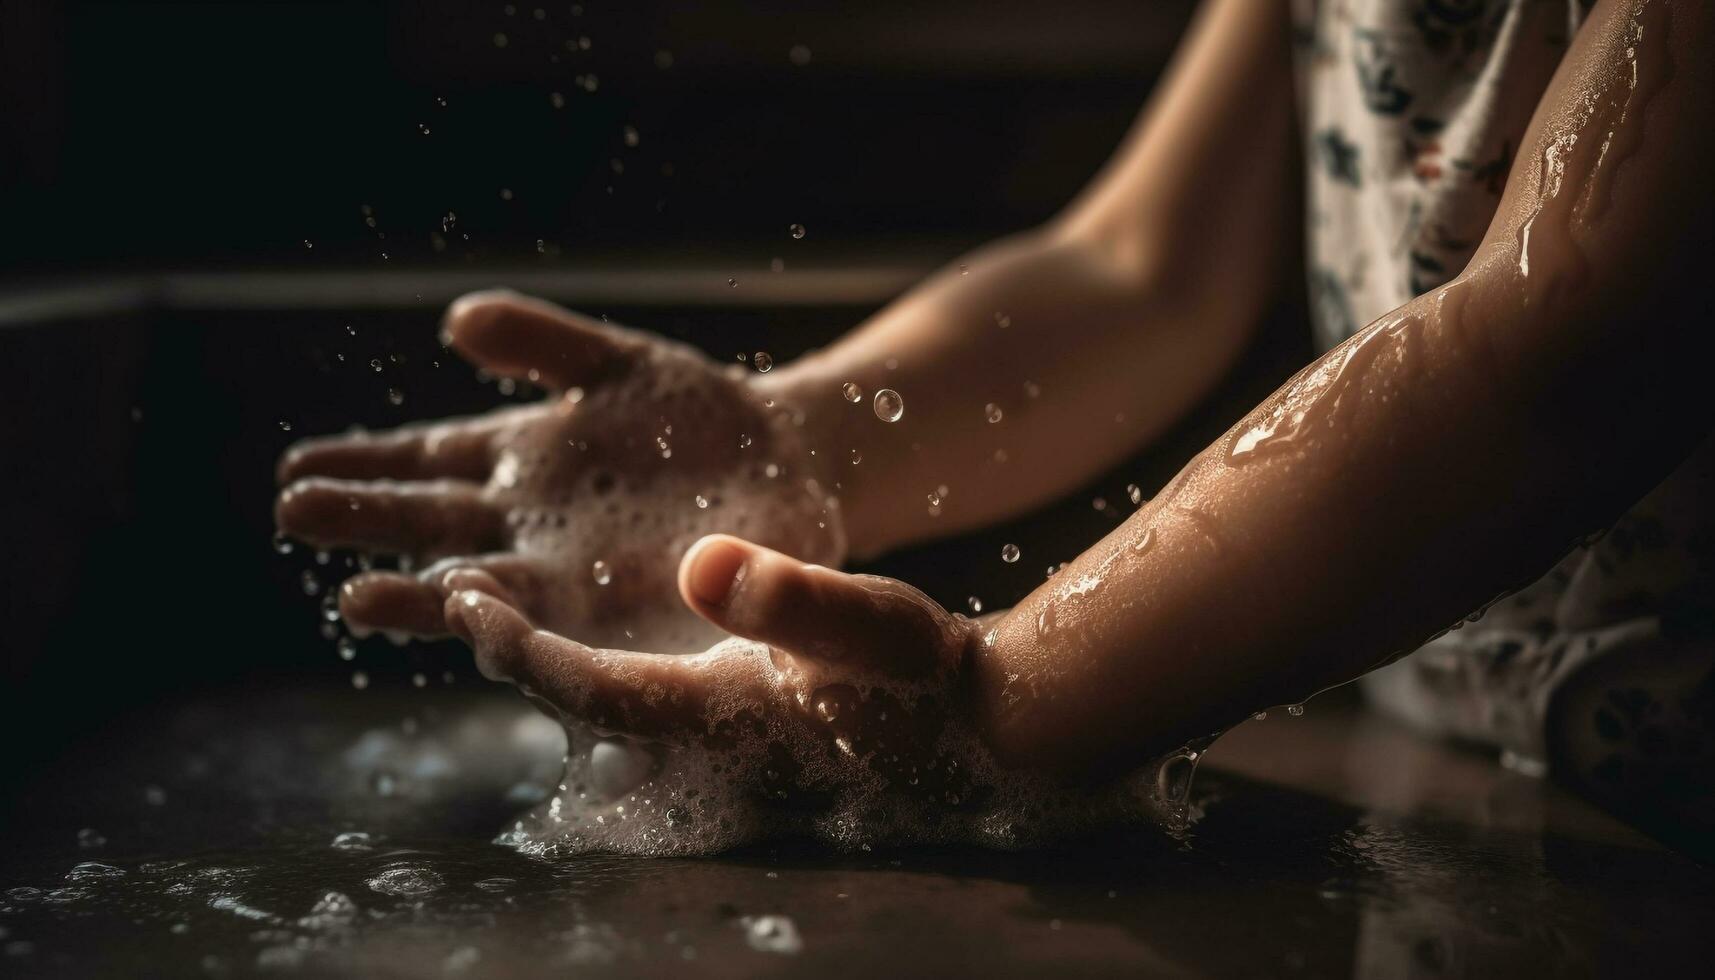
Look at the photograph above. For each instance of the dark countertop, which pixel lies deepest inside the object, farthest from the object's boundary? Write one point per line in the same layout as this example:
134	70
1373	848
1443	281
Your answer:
1332	844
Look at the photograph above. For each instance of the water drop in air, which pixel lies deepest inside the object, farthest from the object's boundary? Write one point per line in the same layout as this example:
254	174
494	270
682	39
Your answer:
975	604
1135	492
763	361
1295	710
798	231
1009	553
702	502
359	679
602	571
282	544
889	406
992	412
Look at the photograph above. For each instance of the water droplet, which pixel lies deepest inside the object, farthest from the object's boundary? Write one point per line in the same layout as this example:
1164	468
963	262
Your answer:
282	544
395	396
1260	716
772	934
771	471
602	571
1135	492
663	59
702	502
1145	542
500	40
857	457
347	647
424	127
419	679
799	55
798	231
310	583
359	679
992	412
1002	320
1009	553
352	840
89	838
1295	710
375	364
556	100
975	604
1032	390
743	441
763	360
308	243
889	406
631	136
1100	503
964	270
285	426
506	193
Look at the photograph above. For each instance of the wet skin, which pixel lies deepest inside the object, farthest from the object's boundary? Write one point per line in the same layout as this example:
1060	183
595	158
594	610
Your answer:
1451	450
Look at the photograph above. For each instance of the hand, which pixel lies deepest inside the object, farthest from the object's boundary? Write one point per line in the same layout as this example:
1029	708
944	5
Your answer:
575	511
843	708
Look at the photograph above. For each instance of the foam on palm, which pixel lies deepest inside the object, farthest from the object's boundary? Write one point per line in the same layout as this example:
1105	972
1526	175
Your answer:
762	771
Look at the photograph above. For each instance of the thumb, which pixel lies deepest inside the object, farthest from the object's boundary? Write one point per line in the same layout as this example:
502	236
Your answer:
518	337
815	612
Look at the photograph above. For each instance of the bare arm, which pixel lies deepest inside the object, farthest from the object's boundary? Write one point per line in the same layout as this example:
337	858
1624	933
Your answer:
1451	450
1090	335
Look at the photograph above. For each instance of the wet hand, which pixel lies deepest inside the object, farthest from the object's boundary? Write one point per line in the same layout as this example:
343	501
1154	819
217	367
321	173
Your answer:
835	684
574	511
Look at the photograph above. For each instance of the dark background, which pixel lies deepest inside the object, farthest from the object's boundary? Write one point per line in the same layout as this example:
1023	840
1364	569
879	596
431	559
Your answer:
141	143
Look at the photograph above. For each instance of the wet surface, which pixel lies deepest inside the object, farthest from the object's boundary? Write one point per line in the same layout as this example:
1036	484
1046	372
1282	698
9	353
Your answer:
346	833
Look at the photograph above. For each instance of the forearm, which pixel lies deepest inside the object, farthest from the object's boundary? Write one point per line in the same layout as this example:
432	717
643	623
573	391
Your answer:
1448	452
1091	335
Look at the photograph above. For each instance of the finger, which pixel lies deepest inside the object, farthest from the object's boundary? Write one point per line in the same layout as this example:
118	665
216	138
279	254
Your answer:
392	601
413	604
516	337
642	694
461	450
813	611
434	518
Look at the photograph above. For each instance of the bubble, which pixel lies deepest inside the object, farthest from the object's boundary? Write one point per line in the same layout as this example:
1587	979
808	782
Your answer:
798	231
772	934
1134	492
889	406
406	880
282	544
975	604
602	571
359	679
763	360
1009	553
992	412
352	840
852	392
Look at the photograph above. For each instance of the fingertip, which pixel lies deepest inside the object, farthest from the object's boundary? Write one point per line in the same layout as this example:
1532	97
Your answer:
712	570
455	611
475	580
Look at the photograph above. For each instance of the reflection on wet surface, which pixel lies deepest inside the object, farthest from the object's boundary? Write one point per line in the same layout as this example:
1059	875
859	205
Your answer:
347	833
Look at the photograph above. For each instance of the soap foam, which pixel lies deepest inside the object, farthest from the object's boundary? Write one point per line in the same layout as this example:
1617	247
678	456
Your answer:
765	770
